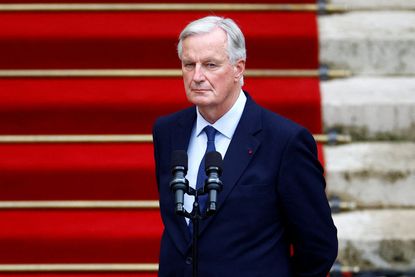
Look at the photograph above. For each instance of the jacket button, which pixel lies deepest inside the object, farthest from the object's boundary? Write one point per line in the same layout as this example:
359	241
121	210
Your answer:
189	260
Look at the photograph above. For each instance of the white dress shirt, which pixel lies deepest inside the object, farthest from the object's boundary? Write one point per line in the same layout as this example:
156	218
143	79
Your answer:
225	127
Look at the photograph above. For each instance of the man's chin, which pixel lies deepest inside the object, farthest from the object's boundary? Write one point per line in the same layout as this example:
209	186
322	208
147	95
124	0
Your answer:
200	100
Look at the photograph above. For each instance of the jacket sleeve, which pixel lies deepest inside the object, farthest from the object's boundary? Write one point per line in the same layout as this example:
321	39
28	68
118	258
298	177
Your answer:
302	193
156	152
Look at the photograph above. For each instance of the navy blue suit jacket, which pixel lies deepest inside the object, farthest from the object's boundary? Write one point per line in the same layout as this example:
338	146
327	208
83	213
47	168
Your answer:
273	197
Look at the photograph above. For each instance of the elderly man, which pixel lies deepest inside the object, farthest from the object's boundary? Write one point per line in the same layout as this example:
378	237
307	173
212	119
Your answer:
273	198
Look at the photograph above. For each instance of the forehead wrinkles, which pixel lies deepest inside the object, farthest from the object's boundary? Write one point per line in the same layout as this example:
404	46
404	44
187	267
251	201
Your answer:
207	45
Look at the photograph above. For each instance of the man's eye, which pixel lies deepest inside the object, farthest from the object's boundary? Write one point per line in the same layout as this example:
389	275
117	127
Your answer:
189	65
211	65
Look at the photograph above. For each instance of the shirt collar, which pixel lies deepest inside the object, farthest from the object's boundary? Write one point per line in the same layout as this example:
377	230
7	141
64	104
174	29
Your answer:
227	124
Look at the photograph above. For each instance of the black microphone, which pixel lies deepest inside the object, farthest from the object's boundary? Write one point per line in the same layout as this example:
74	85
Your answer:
179	184
213	185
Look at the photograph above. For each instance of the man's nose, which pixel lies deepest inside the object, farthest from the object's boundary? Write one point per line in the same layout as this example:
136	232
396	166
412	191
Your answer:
199	75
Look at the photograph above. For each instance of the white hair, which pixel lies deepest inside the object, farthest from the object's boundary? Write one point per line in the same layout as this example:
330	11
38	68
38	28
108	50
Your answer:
235	39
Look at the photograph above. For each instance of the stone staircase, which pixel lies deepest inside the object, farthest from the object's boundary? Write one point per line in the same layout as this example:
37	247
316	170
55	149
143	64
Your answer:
375	174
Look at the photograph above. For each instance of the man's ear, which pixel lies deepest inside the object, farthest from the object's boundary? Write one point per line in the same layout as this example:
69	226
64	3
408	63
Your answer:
239	69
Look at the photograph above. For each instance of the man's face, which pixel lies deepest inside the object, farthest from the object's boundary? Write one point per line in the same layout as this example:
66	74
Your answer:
211	81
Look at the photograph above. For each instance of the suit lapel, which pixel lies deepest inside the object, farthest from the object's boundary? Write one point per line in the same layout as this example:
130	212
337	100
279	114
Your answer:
183	129
180	137
240	152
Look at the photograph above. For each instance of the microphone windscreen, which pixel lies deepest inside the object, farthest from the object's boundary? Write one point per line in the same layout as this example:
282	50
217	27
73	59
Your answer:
213	159
179	158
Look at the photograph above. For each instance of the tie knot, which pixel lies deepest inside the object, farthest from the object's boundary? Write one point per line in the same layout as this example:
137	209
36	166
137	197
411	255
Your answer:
210	132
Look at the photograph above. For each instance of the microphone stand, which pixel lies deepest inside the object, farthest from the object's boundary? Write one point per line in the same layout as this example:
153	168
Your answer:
195	216
212	186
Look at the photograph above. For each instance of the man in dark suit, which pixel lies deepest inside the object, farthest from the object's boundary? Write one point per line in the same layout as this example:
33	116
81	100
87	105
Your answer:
273	201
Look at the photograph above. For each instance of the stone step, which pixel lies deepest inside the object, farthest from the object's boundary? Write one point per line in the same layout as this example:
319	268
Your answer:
372	175
370	108
367	42
377	239
375	4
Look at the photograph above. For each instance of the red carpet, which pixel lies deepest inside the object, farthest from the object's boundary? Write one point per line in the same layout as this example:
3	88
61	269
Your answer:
115	171
45	274
79	236
77	172
161	1
92	106
132	39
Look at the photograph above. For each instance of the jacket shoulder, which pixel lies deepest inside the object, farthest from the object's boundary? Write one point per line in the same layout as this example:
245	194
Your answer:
281	125
167	121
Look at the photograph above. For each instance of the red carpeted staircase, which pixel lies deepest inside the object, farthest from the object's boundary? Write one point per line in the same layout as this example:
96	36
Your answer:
88	73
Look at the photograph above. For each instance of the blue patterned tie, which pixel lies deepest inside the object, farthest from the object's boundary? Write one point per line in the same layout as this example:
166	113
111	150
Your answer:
201	174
